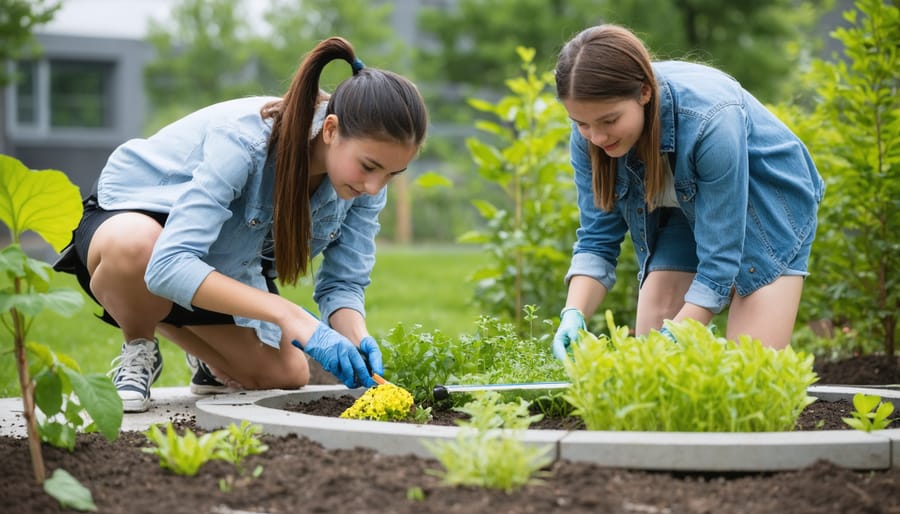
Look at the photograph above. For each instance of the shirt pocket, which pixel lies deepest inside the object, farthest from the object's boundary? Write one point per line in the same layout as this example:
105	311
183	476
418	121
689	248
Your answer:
686	193
326	230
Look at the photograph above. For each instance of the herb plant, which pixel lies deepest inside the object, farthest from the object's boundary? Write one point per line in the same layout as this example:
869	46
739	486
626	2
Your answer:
495	352
703	383
870	413
241	442
487	451
185	454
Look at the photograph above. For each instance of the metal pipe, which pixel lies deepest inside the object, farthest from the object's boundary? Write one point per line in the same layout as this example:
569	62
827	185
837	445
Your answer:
442	392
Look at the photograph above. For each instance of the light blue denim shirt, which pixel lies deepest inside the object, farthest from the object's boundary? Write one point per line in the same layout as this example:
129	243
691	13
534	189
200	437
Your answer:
745	182
211	173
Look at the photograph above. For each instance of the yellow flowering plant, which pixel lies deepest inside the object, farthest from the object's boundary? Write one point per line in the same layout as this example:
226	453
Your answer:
384	402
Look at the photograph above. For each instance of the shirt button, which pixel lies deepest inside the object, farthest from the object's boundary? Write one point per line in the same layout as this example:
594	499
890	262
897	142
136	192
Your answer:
640	210
752	269
254	222
331	235
643	249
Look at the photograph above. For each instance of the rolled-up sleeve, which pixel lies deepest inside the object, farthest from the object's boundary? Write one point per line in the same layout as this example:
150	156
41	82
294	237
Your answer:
600	234
722	166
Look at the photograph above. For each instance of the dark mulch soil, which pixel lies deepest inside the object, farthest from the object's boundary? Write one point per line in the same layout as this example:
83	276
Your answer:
301	476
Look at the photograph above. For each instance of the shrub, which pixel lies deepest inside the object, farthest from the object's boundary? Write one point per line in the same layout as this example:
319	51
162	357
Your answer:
702	383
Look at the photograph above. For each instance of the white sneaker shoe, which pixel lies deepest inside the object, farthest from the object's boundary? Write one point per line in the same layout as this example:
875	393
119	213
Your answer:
134	371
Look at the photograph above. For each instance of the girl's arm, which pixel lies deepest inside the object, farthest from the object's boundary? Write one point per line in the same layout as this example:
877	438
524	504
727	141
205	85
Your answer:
221	293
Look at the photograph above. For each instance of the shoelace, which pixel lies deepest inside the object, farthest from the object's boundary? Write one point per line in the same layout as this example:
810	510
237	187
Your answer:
134	366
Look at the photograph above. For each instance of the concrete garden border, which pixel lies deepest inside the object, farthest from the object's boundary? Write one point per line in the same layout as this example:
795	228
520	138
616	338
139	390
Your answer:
676	451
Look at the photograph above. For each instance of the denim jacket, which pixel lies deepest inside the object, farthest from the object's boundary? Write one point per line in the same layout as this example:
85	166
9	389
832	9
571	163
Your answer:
745	182
210	171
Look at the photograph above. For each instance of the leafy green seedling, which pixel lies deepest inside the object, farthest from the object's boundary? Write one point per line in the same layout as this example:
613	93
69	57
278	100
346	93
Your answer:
184	454
240	442
487	451
870	414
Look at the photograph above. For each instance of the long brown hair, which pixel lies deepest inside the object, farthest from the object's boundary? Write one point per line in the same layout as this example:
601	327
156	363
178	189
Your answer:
609	62
371	103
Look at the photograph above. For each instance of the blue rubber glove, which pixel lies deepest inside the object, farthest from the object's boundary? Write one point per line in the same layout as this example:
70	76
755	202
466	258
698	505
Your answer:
372	355
338	356
571	321
668	334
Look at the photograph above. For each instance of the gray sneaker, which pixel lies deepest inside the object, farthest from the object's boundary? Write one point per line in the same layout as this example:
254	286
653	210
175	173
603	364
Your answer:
134	372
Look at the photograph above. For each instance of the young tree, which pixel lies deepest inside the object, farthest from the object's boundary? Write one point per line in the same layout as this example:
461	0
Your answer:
854	136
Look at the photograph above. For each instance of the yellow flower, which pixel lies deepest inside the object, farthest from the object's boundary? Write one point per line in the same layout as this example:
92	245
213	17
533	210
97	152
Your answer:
386	402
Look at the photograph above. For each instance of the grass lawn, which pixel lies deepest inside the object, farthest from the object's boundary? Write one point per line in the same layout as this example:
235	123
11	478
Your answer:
423	285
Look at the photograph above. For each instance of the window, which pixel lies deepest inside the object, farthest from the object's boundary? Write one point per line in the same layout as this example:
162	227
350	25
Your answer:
81	94
26	93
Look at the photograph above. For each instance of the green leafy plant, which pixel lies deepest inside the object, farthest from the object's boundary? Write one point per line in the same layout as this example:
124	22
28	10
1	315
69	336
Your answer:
184	454
703	383
47	203
419	360
241	442
487	451
870	413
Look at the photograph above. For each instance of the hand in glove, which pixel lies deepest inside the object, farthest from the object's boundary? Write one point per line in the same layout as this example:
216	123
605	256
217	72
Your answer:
372	355
570	323
338	356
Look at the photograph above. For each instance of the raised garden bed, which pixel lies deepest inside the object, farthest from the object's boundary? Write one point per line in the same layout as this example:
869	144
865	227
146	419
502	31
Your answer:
301	476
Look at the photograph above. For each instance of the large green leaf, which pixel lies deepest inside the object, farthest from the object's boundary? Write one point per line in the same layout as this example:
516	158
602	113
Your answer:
44	201
99	398
62	301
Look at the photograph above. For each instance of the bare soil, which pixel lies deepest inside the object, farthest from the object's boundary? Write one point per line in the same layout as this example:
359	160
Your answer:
300	476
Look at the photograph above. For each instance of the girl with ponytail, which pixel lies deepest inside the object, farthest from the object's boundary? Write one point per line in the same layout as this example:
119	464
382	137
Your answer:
186	231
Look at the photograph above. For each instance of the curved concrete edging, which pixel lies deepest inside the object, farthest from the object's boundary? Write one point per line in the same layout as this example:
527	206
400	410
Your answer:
676	451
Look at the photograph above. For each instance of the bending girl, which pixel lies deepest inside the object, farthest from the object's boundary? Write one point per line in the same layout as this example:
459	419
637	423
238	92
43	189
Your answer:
188	228
719	197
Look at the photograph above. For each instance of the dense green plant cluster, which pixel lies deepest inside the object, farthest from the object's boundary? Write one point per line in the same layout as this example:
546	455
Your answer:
702	383
419	360
488	451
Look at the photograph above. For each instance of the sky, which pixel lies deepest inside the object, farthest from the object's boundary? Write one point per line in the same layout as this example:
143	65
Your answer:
115	18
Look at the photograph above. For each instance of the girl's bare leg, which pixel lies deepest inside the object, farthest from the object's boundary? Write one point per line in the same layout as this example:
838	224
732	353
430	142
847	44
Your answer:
767	314
117	259
235	353
661	297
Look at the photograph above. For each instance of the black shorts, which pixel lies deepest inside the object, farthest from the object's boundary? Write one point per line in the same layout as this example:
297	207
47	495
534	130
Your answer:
73	257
